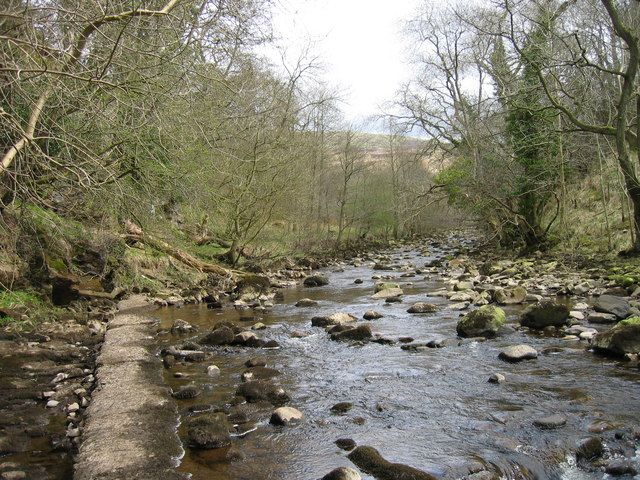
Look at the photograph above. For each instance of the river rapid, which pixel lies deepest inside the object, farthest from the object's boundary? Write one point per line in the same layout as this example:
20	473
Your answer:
432	409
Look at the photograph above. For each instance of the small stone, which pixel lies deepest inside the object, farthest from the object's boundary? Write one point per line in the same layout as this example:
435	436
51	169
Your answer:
357	281
497	378
60	377
422	307
74	407
372	315
550	422
306	302
186	392
213	371
346	444
589	448
517	353
342	407
285	416
73	432
52	403
256	362
13	475
258	326
342	473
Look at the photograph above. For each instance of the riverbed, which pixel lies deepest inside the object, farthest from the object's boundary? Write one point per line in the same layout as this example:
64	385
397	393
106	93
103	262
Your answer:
432	409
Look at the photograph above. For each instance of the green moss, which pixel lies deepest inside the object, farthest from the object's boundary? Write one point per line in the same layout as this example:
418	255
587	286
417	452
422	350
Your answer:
629	321
19	299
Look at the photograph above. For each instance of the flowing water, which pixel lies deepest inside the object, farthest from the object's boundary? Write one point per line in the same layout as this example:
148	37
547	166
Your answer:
431	409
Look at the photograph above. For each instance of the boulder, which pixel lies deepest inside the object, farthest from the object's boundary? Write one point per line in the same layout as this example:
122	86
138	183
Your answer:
347	444
380	286
372	315
263	390
316	281
510	296
482	322
245	338
621	339
545	314
285	416
341	408
369	460
334	319
517	353
590	448
186	392
617	306
361	332
181	326
208	431
342	473
387	293
422	307
219	336
620	466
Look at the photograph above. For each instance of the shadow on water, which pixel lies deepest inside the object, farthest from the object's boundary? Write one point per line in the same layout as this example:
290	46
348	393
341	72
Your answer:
431	409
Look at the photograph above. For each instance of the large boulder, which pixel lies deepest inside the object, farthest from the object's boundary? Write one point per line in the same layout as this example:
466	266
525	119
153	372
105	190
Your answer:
219	336
361	332
510	296
263	390
617	306
619	340
208	431
369	460
483	322
545	314
339	318
316	281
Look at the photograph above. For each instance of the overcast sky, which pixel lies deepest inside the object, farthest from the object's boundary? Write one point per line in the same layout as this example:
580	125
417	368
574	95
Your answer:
358	41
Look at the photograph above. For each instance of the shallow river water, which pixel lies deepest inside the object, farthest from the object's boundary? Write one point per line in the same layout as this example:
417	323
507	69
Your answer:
432	409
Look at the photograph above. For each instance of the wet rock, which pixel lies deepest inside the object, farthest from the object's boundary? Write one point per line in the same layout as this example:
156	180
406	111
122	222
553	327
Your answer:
361	332
213	371
334	319
341	408
602	318
263	390
13	475
369	460
186	355
182	327
590	448
316	281
397	299
347	444
256	362
186	392
617	306
620	466
285	416
483	322
388	293
550	422
245	338
306	302
208	431
268	344
510	296
219	336
357	281
545	314
497	378
342	473
621	339
517	353
372	315
422	307
259	373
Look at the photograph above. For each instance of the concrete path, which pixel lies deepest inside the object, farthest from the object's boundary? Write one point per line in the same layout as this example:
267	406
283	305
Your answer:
130	425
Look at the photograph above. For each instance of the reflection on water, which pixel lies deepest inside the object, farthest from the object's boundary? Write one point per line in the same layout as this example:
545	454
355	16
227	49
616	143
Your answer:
431	409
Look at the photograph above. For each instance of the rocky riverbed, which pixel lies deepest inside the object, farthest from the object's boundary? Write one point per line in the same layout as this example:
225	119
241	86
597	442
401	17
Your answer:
377	369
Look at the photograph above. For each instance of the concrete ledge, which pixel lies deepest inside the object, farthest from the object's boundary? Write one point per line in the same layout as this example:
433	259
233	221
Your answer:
130	425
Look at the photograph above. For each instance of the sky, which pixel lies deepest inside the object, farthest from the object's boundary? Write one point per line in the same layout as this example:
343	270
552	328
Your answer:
358	42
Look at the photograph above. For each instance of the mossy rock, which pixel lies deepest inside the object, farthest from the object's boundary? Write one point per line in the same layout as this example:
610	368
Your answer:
483	322
629	321
622	339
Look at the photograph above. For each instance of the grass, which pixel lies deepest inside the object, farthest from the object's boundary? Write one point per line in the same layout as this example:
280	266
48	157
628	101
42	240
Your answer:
28	304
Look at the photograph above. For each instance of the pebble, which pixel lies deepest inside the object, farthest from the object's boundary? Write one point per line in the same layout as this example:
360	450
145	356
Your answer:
550	422
74	407
52	403
497	378
213	371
